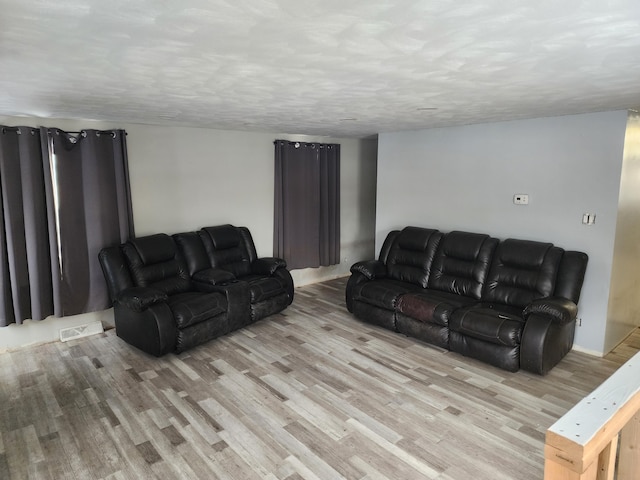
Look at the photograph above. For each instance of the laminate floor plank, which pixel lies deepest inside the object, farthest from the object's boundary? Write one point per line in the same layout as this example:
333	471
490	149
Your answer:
310	393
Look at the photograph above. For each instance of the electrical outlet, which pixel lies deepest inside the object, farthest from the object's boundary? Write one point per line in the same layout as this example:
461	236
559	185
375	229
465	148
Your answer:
521	199
579	322
589	218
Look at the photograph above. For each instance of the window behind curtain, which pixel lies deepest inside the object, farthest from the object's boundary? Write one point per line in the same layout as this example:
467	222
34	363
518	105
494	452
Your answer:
25	264
88	207
64	197
307	204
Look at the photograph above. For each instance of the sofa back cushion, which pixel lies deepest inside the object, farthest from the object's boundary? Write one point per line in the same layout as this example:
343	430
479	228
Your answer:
386	246
249	246
154	262
461	263
411	255
571	275
115	269
521	271
192	249
227	249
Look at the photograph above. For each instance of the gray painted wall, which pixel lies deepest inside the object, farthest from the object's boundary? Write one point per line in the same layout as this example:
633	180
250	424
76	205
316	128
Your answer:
187	178
624	297
464	178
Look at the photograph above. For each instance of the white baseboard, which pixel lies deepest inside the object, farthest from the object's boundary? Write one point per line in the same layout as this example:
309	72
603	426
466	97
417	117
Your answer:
594	353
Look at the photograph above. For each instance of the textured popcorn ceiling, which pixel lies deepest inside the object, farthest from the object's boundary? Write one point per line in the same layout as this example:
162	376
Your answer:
321	67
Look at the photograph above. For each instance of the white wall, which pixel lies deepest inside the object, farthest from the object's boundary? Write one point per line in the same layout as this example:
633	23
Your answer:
187	178
624	296
465	177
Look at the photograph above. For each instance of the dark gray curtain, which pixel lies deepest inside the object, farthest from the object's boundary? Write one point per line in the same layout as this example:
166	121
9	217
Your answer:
25	265
88	207
307	203
64	197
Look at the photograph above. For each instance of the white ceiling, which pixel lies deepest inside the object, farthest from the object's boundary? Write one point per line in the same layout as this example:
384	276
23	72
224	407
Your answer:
320	67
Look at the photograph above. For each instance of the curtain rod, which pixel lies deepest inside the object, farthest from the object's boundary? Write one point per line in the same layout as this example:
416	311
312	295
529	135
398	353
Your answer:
17	130
81	132
298	144
84	132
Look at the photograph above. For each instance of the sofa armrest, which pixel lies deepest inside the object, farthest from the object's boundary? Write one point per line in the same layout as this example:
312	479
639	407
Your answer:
140	298
267	265
213	276
559	309
284	276
152	330
545	342
361	273
370	269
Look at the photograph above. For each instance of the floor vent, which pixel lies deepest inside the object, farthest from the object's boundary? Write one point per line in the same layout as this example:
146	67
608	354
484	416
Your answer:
80	331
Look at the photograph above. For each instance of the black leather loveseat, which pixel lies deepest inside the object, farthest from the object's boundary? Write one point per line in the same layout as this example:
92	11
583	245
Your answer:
172	293
512	304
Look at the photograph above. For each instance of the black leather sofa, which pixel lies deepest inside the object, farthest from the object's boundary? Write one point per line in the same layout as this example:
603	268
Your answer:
172	293
512	304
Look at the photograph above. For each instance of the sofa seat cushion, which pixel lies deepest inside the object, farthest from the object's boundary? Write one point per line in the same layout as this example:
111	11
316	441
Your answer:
432	306
262	288
191	308
496	325
384	293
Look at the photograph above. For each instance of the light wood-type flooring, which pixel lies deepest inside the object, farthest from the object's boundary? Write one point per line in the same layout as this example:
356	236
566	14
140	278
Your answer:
311	393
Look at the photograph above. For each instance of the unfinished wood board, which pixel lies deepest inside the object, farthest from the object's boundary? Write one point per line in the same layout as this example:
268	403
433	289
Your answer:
578	438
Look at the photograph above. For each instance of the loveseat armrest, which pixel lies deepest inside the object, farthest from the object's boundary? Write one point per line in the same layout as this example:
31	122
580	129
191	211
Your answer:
559	309
213	276
152	330
138	299
267	265
371	269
